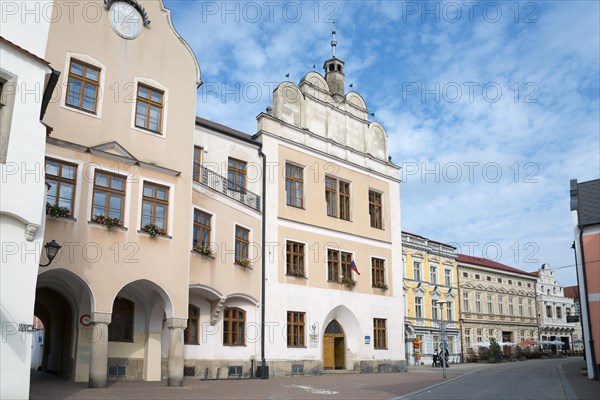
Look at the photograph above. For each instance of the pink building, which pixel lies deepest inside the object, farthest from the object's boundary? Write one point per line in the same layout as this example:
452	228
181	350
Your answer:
585	207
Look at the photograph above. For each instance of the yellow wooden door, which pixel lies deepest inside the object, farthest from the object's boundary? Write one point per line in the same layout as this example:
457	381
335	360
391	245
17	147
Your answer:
339	353
328	352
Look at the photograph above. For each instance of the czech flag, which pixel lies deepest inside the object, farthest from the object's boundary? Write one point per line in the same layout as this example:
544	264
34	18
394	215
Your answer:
353	267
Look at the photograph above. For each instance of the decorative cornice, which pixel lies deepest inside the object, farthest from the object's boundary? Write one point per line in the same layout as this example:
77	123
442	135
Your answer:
134	4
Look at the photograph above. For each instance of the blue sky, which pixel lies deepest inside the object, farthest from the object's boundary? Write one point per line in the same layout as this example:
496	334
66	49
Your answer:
490	108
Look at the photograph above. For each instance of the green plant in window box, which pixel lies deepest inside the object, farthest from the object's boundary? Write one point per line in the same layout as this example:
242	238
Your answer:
381	285
204	250
112	222
349	282
56	211
244	262
298	274
153	230
101	219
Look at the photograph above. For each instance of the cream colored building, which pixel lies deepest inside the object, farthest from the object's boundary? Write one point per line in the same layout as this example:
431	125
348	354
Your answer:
553	310
115	301
333	198
430	298
496	301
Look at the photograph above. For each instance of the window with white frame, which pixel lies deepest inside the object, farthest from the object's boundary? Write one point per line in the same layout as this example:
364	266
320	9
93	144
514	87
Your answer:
417	270
448	277
466	303
477	302
433	274
450	311
468	338
434	309
419	307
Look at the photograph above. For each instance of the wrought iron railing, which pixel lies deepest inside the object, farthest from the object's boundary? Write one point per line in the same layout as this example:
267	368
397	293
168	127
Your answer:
222	185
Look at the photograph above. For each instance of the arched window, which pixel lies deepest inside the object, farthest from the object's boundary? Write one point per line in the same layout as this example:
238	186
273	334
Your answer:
234	323
192	332
121	322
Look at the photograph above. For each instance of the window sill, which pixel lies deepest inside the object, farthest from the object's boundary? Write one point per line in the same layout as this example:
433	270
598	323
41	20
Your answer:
82	112
114	228
380	348
234	345
191	344
296	207
197	253
296	347
159	135
250	267
65	219
144	233
296	276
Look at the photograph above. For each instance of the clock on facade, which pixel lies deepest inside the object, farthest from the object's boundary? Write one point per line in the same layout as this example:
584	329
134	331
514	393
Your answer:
125	20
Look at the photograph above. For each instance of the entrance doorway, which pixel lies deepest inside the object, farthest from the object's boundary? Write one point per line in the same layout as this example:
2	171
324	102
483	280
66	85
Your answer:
507	337
334	347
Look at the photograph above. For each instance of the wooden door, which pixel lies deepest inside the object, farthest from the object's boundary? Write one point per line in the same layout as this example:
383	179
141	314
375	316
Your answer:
339	352
328	352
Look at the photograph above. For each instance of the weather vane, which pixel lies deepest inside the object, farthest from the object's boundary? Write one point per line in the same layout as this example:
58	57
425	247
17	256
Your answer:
333	41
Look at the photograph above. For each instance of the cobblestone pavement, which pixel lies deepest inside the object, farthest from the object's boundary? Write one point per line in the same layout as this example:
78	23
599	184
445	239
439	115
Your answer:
342	386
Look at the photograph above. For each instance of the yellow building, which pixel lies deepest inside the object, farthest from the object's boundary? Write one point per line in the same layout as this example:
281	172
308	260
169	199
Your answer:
430	297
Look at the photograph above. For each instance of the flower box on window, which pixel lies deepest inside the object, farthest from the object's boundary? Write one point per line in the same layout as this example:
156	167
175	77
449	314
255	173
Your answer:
153	230
298	274
204	250
380	285
349	282
244	262
56	211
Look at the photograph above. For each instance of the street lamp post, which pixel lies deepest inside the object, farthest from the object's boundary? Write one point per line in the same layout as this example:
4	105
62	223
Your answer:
443	335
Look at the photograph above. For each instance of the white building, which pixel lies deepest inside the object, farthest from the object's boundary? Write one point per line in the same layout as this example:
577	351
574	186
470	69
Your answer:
25	77
333	198
553	309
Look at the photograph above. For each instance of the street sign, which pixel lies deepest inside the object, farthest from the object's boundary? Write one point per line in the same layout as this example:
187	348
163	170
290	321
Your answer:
367	339
572	318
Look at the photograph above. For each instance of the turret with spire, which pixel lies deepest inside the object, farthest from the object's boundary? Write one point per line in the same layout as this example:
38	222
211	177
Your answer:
334	71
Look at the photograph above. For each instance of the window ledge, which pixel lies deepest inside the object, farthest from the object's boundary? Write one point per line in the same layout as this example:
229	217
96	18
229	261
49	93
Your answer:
65	219
114	228
81	112
144	233
296	207
250	267
296	276
197	253
159	135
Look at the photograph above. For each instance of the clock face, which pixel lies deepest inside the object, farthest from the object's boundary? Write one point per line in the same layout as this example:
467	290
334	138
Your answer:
125	20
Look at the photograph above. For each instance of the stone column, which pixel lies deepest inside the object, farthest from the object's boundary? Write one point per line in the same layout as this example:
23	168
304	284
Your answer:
175	362
99	351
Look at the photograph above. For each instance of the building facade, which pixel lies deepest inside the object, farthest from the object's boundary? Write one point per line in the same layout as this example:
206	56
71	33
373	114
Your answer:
25	78
554	309
496	301
333	267
572	292
585	210
430	298
119	169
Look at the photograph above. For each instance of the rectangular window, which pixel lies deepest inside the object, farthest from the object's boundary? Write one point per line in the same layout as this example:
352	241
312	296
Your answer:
549	311
155	205
83	86
477	302
466	305
465	275
377	272
295	329
149	108
375	209
499	280
520	307
202	228
519	283
109	195
490	304
337	198
236	175
242	241
511	307
468	338
558	312
476	276
530	308
333	265
436	343
346	261
501	305
294	258
490	333
489	278
294	185
61	176
479	335
379	334
450	311
197	163
433	274
419	307
191	334
416	270
434	309
510	282
448	277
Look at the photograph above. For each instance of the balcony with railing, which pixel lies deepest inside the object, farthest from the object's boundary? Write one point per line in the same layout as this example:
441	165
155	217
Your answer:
222	185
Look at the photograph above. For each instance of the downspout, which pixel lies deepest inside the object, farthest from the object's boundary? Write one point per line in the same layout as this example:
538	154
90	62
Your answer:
52	81
263	361
591	344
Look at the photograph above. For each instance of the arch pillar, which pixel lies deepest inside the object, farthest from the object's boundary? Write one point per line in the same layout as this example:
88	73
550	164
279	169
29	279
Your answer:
175	361
99	353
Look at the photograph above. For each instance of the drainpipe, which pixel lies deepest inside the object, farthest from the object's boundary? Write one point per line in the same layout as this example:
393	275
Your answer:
264	374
